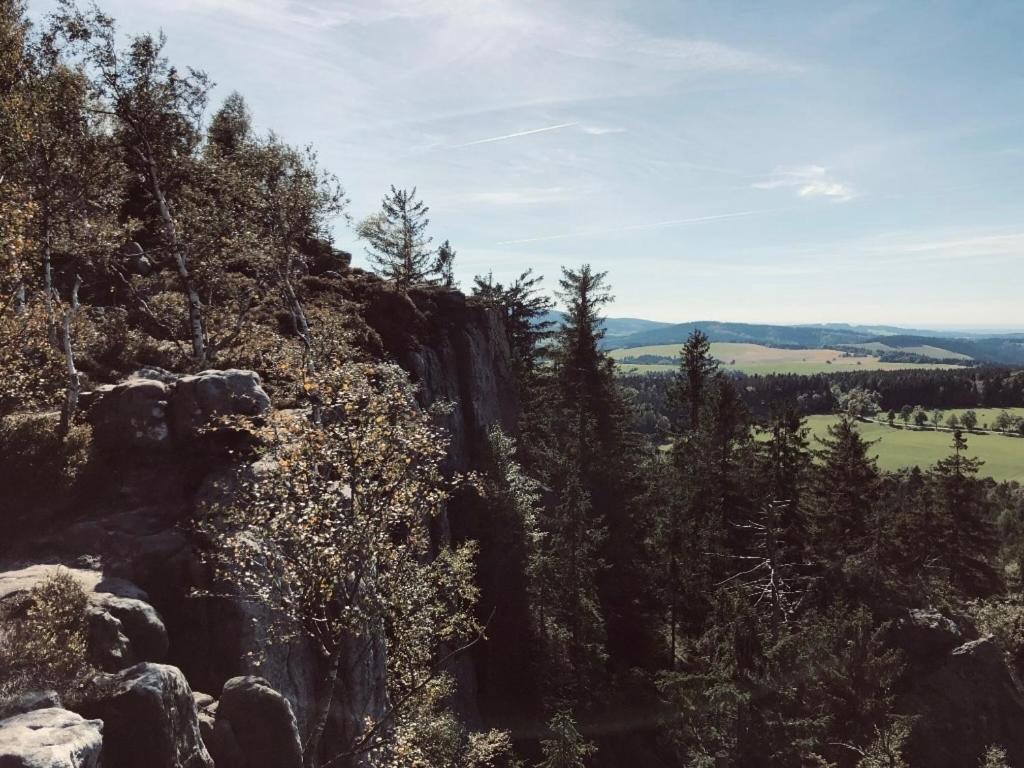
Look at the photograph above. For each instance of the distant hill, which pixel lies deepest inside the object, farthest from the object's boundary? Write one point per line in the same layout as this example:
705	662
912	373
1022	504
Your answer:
1006	349
615	327
770	335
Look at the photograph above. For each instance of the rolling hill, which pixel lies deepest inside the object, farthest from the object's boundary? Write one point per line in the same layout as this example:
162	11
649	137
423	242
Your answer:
1006	349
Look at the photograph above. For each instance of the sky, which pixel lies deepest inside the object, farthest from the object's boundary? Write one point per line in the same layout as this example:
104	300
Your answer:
791	162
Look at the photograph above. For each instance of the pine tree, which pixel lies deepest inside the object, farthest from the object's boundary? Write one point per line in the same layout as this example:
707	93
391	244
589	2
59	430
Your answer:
846	489
444	264
524	309
784	464
696	368
397	242
567	748
968	537
231	126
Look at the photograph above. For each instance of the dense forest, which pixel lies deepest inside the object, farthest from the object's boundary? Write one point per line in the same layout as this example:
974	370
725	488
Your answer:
560	593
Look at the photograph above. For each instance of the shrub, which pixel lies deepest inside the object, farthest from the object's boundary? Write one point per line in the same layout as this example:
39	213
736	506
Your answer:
40	468
43	641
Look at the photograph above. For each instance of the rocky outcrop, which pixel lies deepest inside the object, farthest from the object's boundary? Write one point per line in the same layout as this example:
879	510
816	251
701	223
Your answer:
133	528
50	738
968	701
154	408
253	727
149	719
29	701
122	627
457	351
201	398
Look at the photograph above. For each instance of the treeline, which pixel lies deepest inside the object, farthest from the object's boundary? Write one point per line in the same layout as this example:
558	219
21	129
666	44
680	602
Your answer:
726	602
980	387
738	591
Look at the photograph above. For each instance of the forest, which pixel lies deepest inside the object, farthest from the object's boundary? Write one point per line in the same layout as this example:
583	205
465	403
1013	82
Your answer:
519	579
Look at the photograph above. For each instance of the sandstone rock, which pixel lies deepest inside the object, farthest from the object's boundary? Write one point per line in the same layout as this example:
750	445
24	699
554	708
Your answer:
969	703
141	624
254	727
29	701
122	627
108	645
50	738
131	415
927	636
200	398
150	719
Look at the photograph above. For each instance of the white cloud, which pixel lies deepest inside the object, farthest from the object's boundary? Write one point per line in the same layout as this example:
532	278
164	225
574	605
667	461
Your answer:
600	130
527	196
632	227
516	135
808	181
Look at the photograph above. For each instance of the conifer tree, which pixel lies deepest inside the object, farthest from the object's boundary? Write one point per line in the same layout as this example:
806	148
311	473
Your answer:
444	265
397	242
524	308
567	747
846	488
968	536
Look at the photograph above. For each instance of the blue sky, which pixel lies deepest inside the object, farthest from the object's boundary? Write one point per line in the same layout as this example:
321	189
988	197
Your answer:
764	162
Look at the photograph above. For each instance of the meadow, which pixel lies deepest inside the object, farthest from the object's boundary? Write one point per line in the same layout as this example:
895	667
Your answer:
759	359
897	448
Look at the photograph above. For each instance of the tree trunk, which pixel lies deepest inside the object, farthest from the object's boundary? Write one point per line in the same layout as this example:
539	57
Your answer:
74	385
195	306
311	754
51	322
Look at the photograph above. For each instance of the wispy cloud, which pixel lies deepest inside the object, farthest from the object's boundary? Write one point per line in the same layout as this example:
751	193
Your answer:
516	135
527	196
600	130
808	181
632	227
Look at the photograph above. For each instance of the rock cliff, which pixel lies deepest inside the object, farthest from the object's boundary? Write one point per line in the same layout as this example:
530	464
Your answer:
130	545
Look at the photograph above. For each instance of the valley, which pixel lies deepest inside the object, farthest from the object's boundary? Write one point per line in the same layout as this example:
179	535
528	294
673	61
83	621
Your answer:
752	358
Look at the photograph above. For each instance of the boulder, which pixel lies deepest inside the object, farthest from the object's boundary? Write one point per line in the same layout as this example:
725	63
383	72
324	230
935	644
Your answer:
926	637
141	624
122	627
254	727
967	704
26	702
50	738
200	398
130	416
150	718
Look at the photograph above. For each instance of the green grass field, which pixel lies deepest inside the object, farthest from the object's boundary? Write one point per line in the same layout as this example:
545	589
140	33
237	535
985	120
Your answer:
985	415
896	448
756	358
924	350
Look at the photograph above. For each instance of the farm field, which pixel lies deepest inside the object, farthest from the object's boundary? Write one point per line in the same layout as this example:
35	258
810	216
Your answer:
925	350
756	358
985	415
896	448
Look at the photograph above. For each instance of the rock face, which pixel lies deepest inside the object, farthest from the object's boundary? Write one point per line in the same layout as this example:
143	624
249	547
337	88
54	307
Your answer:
135	526
27	702
50	738
123	628
150	719
155	408
253	727
132	414
200	398
967	703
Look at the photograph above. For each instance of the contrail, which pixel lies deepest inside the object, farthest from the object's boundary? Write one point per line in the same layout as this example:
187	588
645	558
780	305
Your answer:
514	135
630	227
